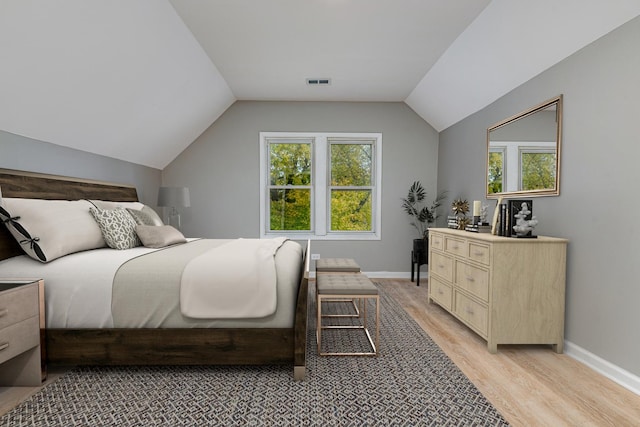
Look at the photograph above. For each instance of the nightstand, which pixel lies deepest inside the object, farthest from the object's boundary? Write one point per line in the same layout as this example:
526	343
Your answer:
22	324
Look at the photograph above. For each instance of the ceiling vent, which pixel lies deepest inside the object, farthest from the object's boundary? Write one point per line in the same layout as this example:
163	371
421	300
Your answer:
318	82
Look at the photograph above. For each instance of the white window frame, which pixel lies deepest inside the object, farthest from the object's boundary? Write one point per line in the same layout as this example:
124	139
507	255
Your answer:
320	180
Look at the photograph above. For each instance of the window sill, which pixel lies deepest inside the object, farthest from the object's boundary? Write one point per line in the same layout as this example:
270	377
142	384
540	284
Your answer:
310	236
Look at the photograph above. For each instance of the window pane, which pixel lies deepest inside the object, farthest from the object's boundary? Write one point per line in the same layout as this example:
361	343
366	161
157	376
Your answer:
538	171
351	164
290	209
290	164
351	210
495	171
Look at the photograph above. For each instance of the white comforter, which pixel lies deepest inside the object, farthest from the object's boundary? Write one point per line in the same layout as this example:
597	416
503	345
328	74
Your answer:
244	283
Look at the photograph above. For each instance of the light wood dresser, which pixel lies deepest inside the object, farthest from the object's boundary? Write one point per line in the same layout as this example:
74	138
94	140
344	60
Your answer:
508	290
21	332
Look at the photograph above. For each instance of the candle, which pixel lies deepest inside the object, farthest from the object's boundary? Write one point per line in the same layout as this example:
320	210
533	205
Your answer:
476	207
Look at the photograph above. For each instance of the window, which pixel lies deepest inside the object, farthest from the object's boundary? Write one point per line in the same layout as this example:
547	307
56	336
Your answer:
320	185
521	166
495	170
537	168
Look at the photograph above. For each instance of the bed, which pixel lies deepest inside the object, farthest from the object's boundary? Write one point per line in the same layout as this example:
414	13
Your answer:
171	339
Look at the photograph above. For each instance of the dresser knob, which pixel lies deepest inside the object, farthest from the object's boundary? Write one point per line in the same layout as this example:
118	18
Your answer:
4	346
4	312
470	279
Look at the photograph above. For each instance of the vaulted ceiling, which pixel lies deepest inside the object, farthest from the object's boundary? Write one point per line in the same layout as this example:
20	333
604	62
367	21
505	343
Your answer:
141	80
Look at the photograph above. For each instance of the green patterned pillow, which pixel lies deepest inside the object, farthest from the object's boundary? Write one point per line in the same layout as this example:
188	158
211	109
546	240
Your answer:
118	228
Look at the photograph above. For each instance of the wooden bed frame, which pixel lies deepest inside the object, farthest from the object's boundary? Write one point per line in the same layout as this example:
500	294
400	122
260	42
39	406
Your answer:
247	346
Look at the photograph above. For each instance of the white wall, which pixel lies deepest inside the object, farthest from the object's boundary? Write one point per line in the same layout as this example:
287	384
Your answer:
221	169
598	206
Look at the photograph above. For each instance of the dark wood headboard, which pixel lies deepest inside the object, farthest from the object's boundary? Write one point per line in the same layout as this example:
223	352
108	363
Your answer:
30	185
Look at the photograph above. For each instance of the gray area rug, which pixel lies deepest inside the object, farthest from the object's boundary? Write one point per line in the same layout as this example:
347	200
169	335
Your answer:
412	382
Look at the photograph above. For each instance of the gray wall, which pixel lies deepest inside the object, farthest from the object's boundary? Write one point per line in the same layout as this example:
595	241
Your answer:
598	201
538	127
222	171
18	152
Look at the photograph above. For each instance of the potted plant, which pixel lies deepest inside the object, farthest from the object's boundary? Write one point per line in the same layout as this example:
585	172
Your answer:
421	216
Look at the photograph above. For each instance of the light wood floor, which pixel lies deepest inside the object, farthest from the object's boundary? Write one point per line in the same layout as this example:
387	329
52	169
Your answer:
529	385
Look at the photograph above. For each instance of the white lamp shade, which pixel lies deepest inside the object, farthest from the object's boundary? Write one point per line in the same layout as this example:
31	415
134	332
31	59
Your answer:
174	197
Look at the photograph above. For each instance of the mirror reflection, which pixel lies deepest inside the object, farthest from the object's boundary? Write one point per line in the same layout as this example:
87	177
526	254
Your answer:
523	152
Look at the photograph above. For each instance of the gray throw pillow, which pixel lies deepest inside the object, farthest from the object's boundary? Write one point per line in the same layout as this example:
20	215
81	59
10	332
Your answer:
155	218
141	218
159	236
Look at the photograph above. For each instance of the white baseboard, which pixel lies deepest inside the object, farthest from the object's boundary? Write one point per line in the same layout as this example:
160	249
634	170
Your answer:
385	274
393	275
625	378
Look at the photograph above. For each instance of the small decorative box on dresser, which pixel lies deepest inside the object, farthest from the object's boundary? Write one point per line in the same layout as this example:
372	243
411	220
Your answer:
507	290
21	332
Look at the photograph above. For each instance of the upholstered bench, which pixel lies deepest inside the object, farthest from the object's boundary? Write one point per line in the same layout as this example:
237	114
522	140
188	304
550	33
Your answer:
350	287
337	265
340	265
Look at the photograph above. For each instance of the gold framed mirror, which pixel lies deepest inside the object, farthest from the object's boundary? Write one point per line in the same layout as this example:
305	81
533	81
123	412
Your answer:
523	153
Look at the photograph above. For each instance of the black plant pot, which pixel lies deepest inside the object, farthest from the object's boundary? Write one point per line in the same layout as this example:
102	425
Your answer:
420	251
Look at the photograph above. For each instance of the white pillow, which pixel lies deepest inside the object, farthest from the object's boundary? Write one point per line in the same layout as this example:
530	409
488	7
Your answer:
49	229
118	228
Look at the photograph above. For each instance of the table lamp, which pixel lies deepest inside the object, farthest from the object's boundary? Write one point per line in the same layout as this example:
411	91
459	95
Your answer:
174	197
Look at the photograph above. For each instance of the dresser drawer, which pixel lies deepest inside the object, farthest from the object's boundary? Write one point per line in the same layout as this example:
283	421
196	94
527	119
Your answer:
18	304
436	241
455	246
479	253
442	266
440	292
19	337
473	279
472	313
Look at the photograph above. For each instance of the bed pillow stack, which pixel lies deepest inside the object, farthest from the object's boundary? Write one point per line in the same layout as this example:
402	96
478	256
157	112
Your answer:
152	231
50	229
127	225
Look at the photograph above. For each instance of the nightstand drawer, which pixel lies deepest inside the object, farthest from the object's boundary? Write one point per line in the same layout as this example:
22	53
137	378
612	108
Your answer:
18	304
18	338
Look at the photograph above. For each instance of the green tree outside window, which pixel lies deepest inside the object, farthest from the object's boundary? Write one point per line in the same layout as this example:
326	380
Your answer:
290	181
